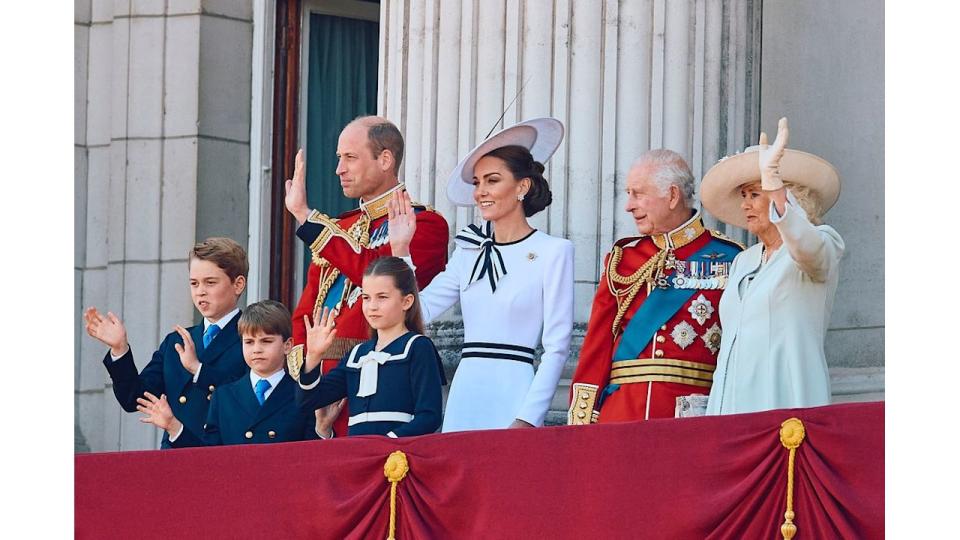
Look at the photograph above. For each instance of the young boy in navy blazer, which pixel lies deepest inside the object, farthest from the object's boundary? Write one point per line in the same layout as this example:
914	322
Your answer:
258	408
190	362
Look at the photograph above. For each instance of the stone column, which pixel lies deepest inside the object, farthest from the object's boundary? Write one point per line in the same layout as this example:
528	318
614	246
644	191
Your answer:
163	124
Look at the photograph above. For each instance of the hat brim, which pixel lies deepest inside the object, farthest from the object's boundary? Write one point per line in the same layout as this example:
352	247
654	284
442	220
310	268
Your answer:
720	188
541	136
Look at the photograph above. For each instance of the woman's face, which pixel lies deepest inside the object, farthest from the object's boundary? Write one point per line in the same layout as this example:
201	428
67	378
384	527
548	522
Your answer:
495	190
756	207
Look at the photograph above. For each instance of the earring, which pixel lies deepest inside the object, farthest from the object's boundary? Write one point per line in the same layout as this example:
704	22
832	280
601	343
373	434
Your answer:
520	197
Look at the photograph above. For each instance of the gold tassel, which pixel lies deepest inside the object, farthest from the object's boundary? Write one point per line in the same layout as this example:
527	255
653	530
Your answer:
395	469
792	433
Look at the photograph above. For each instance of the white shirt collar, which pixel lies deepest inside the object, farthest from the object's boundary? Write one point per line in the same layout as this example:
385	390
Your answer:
223	321
274	380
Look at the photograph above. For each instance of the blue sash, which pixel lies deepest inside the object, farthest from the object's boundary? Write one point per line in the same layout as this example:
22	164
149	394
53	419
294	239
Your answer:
661	304
335	292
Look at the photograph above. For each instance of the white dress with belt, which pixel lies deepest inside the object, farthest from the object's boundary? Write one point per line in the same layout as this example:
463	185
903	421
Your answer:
774	317
513	296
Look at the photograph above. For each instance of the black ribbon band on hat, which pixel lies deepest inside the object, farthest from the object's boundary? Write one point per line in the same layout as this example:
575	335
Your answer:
489	261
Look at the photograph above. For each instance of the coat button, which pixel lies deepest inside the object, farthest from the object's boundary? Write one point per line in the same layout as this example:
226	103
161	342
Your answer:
248	434
211	388
183	399
209	397
272	434
584	395
658	354
661	339
581	414
663	328
582	405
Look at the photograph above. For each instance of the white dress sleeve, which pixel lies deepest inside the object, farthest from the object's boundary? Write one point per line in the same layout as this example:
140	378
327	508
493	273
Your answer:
815	249
557	327
443	291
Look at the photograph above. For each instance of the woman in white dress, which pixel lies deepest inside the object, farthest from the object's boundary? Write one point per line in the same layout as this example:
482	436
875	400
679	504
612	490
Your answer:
514	283
776	307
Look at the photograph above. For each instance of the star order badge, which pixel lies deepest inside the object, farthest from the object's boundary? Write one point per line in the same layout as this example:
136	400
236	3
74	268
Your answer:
683	334
701	309
711	338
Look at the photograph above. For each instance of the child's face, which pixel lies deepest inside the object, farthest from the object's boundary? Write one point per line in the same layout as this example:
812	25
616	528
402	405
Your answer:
214	295
383	304
265	353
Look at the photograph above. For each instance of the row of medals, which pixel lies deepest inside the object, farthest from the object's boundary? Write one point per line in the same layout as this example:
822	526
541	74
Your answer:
693	274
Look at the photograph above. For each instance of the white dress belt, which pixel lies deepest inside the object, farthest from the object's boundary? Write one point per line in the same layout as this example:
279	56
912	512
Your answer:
379	416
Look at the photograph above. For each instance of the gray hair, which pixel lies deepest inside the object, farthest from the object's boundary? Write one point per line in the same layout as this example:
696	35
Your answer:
669	169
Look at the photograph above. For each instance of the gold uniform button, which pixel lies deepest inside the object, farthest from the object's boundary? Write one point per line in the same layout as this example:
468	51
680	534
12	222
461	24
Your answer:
661	339
272	434
211	388
658	354
583	405
581	414
183	399
248	434
584	395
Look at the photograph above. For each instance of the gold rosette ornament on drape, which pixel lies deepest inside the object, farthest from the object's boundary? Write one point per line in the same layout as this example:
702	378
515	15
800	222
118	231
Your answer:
395	469
792	433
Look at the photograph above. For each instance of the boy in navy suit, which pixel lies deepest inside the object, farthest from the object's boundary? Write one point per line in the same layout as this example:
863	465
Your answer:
190	362
258	408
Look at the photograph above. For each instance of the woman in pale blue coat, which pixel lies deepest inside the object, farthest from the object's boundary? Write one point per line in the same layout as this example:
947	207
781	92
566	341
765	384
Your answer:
775	310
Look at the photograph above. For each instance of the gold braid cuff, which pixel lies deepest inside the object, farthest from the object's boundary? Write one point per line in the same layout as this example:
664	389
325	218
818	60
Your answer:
581	406
395	469
792	434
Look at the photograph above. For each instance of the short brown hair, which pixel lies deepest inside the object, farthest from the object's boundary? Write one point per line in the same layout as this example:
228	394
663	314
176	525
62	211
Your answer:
267	316
228	255
382	135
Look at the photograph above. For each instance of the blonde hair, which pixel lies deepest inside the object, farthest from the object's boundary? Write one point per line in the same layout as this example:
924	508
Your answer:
807	200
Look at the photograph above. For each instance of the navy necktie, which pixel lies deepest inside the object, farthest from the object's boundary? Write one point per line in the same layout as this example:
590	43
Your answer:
209	334
261	390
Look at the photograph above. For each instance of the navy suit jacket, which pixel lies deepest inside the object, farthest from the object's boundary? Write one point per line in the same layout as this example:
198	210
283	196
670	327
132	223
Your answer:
164	374
236	417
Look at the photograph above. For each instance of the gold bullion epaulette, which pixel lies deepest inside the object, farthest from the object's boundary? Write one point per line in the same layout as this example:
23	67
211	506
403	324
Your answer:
722	237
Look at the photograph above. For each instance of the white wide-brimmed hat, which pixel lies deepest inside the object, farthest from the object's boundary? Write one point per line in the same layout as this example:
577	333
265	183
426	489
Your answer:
720	188
541	136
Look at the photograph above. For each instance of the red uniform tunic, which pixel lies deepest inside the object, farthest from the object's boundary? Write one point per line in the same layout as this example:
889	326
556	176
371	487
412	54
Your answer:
342	248
681	354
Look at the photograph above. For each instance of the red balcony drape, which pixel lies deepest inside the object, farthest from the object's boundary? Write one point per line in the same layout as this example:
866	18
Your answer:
712	477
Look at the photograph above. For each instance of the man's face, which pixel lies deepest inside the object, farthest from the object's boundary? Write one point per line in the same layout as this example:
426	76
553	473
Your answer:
651	208
214	295
361	175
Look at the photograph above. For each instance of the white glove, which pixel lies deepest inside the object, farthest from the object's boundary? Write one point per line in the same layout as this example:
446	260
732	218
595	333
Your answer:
770	157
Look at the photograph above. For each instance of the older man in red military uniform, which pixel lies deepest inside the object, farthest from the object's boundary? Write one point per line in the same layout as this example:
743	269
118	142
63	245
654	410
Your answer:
370	150
654	328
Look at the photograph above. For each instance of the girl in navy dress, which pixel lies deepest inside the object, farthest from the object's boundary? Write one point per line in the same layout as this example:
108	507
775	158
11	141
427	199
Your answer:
392	381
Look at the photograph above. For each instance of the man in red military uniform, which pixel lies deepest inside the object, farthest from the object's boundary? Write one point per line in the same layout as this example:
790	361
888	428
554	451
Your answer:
654	328
370	150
